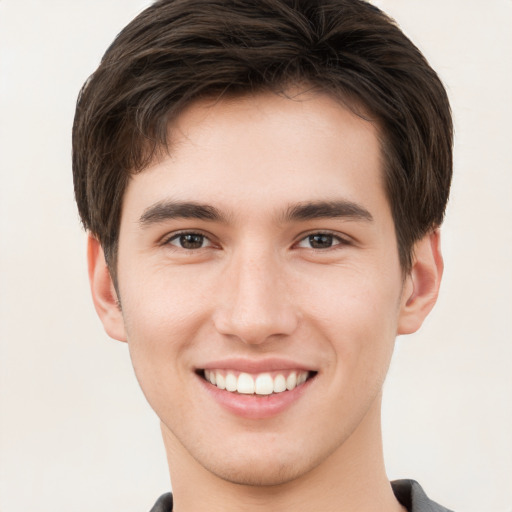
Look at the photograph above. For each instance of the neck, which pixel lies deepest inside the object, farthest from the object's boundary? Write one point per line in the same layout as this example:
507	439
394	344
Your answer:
351	478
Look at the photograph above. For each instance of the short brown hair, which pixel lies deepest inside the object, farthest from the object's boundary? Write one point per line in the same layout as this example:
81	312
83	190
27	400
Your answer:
178	51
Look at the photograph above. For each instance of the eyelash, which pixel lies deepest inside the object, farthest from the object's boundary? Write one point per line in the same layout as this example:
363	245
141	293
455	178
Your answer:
335	239
177	236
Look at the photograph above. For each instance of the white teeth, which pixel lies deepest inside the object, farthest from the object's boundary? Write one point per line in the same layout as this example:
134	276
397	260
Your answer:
221	381
264	384
279	384
291	381
261	384
245	384
301	378
231	382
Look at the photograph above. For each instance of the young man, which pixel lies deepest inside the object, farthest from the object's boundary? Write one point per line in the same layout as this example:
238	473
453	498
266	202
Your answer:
263	182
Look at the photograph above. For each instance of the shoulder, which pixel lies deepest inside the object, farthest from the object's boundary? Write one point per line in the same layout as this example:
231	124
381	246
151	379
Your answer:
163	504
411	495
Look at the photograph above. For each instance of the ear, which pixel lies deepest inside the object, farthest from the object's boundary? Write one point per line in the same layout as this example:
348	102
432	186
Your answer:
421	286
103	292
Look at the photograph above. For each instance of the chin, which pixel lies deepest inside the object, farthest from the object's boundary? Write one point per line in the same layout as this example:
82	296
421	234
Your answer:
264	468
264	474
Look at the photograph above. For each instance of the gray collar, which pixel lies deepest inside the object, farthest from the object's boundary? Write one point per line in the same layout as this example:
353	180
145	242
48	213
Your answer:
408	492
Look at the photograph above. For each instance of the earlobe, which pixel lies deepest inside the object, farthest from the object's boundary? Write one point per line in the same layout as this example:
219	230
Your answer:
103	292
422	284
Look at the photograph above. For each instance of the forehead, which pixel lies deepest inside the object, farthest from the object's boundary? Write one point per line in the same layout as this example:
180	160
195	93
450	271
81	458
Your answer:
263	151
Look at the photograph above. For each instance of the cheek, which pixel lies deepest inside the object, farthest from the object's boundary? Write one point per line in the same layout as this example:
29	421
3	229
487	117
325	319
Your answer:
163	314
352	298
357	312
163	300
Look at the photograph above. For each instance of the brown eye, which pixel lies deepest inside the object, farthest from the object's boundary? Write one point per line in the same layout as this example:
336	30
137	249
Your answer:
321	241
189	241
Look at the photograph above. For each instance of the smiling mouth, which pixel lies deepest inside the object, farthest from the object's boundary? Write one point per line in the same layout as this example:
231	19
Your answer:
266	383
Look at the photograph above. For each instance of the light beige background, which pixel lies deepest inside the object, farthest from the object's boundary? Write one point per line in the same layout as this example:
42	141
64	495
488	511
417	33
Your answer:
75	432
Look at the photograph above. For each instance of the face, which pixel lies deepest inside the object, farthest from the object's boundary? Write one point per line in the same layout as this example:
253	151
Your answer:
261	255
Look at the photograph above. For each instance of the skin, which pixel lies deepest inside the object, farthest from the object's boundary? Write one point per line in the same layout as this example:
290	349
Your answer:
257	288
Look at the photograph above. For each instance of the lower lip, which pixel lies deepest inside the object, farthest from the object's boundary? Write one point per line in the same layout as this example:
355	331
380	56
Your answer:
255	406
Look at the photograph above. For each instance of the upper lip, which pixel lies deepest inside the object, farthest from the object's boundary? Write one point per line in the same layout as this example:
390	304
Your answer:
255	365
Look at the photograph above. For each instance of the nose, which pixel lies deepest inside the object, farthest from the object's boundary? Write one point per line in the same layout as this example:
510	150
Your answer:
254	304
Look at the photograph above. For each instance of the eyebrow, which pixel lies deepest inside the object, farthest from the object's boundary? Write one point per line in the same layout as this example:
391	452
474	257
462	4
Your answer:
168	210
327	209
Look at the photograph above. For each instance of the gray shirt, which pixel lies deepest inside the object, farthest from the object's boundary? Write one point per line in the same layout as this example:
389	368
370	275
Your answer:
408	492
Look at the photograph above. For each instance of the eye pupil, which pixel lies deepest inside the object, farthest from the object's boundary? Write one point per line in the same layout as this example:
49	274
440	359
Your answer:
320	241
191	241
